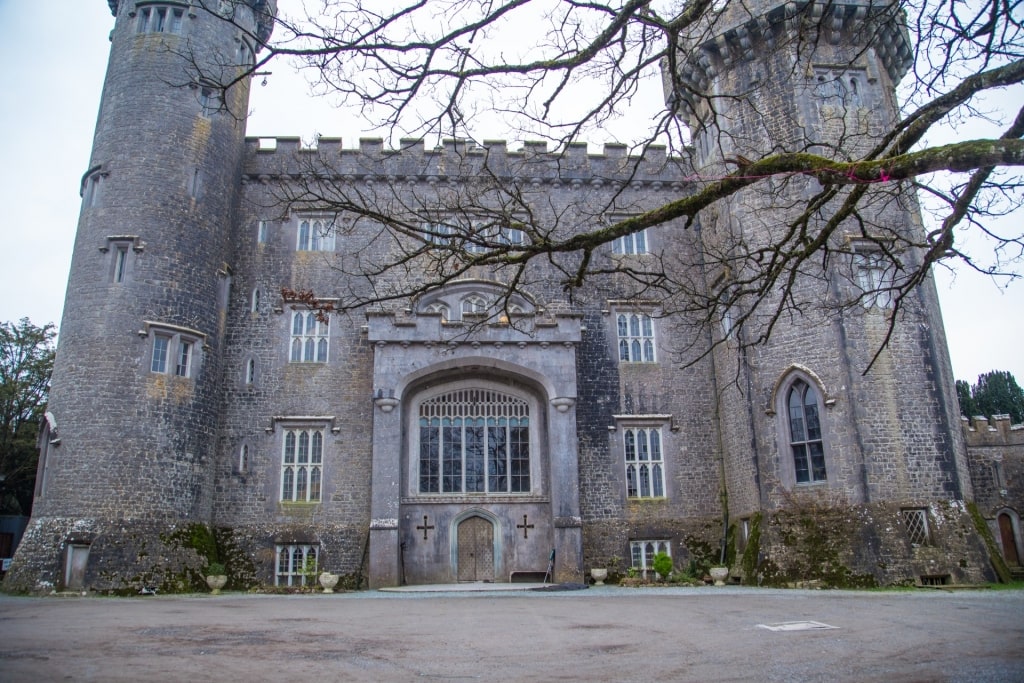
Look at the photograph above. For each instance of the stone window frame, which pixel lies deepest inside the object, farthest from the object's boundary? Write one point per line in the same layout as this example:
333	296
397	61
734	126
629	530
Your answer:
172	344
840	83
635	349
244	462
319	234
448	231
534	408
448	301
917	525
311	343
262	231
290	563
874	274
629	426
638	552
122	249
314	452
779	409
91	186
166	18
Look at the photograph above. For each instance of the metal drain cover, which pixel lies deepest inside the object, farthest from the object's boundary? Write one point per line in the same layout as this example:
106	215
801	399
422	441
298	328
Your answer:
797	626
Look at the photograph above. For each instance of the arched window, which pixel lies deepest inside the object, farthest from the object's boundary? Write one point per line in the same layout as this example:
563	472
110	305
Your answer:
645	468
250	371
636	338
309	338
243	459
805	441
302	465
474	441
474	303
256	295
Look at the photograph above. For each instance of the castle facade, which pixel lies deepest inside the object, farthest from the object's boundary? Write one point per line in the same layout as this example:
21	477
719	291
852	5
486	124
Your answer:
206	403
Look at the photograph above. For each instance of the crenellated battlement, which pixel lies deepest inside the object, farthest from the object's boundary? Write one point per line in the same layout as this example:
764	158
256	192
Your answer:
979	432
268	158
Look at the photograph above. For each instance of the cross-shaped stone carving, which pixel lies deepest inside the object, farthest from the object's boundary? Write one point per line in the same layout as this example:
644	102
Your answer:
425	528
525	527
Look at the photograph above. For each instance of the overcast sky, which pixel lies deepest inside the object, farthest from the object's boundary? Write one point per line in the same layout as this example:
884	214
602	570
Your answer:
54	56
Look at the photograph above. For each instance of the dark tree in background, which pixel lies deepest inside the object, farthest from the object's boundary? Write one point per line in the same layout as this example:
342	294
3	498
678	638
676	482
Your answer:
26	360
996	393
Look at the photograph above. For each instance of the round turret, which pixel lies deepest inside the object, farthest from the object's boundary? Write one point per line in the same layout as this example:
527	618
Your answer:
135	387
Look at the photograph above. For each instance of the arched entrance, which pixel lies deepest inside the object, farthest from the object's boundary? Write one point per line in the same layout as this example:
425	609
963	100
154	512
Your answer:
476	549
1009	539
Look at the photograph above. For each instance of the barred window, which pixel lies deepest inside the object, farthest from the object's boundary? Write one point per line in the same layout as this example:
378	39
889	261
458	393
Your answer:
916	522
474	441
645	468
296	565
302	465
636	338
309	339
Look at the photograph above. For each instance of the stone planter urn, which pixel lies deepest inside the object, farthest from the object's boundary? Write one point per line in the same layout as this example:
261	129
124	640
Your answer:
598	574
216	582
719	574
328	581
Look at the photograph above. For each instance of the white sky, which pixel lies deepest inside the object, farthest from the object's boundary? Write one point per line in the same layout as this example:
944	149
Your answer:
54	57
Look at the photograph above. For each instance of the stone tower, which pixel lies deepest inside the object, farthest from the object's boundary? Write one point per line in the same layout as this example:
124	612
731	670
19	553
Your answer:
134	398
802	423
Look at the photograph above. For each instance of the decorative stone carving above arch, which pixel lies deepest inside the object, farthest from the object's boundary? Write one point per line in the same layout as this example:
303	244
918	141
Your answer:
481	299
827	397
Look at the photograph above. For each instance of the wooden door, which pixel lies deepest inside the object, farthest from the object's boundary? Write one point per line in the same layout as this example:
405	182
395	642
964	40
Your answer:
1010	553
476	550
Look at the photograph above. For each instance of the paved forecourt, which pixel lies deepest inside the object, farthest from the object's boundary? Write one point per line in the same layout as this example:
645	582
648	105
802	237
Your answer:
598	634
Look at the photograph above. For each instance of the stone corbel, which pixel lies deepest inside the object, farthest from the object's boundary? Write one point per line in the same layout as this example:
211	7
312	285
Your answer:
563	403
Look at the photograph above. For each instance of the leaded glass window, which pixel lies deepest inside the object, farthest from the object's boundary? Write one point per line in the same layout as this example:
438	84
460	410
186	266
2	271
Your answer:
636	338
805	433
474	441
645	467
296	565
309	338
315	234
302	465
643	552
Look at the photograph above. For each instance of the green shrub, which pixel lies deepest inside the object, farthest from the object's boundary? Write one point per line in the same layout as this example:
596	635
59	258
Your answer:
663	564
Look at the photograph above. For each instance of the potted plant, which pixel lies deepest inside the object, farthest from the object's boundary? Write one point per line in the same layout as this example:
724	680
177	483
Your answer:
328	581
599	574
216	577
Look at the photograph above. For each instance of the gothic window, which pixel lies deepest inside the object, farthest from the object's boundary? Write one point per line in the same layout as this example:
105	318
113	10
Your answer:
474	303
309	339
302	465
474	441
159	19
645	466
261	232
874	278
635	243
839	85
439	308
643	552
636	338
315	234
805	439
296	565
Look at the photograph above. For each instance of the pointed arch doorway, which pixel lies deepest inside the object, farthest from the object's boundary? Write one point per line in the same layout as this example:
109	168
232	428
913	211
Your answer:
475	549
1009	540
